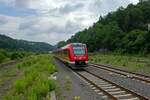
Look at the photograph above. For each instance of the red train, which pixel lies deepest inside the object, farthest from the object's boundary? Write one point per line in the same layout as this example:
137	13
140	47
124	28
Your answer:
74	54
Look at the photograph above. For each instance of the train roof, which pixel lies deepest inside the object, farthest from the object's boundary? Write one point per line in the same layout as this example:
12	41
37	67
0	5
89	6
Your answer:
70	44
73	44
77	44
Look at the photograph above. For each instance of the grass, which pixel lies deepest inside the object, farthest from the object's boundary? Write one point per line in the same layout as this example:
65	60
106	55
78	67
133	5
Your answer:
68	84
33	82
1	81
127	62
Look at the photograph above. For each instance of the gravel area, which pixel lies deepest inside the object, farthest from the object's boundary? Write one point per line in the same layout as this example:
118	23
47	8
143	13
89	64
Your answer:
71	87
7	76
134	85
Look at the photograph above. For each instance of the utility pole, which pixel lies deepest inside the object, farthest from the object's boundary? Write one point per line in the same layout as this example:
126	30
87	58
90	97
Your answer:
148	26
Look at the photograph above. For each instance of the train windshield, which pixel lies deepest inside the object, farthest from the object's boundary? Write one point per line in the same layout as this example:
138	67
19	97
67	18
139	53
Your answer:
79	50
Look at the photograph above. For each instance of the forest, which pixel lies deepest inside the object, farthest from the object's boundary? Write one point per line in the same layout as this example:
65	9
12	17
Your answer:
123	31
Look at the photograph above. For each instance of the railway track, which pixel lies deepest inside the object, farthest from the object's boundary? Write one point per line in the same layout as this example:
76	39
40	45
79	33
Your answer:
8	63
107	89
134	76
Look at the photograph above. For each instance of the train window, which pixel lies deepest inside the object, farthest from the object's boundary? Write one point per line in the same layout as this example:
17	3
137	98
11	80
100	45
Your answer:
79	50
66	52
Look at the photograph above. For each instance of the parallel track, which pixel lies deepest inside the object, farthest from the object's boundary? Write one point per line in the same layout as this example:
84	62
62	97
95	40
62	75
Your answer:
135	76
107	89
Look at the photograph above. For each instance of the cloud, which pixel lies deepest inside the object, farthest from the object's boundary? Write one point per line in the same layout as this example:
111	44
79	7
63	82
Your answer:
52	20
9	24
70	8
3	20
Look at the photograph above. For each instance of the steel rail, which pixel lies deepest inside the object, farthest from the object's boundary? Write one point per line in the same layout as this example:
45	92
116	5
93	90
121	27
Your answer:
110	82
123	72
123	88
99	88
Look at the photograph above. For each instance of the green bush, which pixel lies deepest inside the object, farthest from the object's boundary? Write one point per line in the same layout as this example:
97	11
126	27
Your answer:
6	55
16	55
3	55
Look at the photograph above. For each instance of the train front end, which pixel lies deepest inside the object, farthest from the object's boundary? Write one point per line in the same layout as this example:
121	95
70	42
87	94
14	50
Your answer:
80	55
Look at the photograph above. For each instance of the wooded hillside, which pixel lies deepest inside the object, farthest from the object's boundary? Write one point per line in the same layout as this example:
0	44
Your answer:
22	45
125	31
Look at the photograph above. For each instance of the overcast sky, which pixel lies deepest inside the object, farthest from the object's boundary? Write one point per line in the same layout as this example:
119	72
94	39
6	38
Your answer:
52	20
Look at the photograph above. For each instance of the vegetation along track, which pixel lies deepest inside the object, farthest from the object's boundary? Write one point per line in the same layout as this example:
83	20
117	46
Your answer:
107	89
139	77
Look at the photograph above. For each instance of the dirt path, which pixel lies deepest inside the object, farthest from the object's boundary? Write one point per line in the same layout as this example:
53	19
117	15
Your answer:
8	73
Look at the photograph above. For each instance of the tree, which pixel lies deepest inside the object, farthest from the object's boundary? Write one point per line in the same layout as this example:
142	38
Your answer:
124	29
61	44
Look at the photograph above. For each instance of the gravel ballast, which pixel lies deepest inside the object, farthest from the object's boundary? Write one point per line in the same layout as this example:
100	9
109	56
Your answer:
126	82
71	87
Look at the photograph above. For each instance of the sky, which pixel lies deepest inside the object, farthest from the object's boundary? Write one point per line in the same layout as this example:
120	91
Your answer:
52	21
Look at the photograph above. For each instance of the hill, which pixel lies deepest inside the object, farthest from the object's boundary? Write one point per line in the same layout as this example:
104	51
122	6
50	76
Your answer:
13	44
125	30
